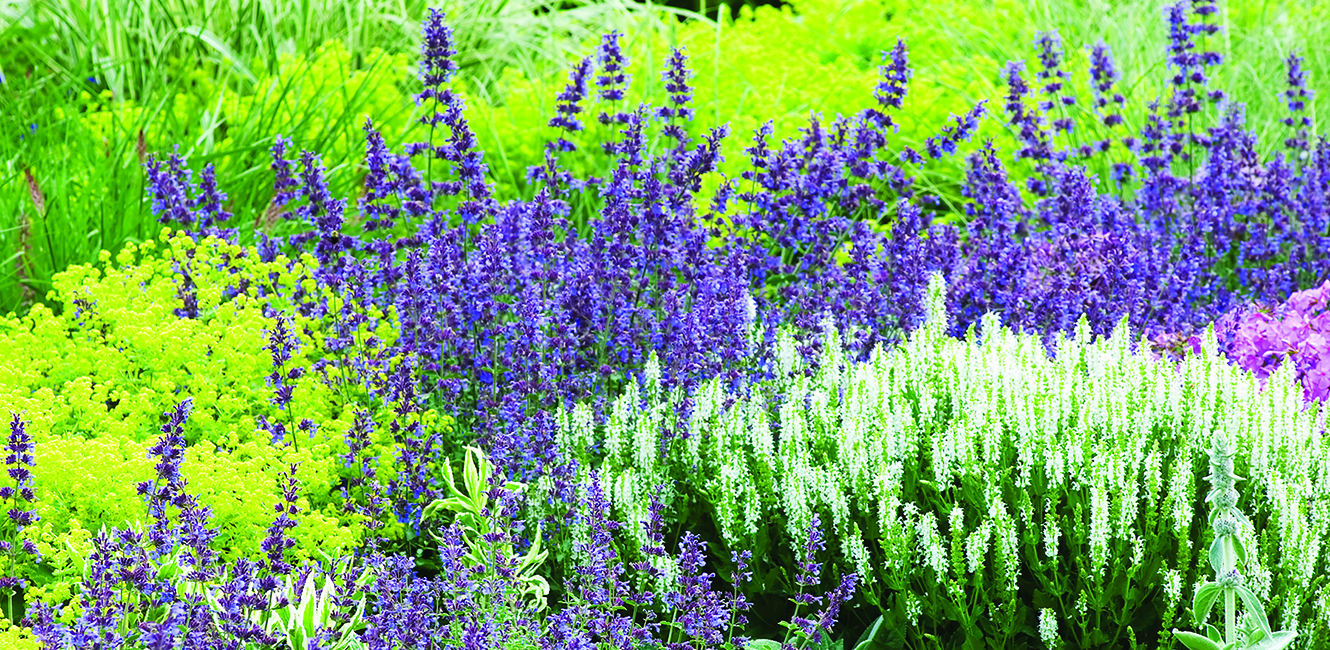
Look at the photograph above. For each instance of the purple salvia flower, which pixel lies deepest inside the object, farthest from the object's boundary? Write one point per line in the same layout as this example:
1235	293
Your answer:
1030	125
208	205
700	612
1297	95
437	50
166	488
1054	77
612	79
284	183
962	128
890	91
276	543
569	105
809	569
379	184
1103	76
676	76
18	458
323	212
437	69
170	185
282	344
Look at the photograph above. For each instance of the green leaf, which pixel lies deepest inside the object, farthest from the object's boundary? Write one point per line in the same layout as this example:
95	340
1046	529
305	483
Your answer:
1255	610
763	644
866	640
1217	556
1238	549
1203	601
1277	641
1195	641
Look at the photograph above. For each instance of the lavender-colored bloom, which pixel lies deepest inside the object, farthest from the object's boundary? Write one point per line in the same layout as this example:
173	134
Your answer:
324	213
166	488
1297	94
1031	132
1049	45
1103	76
809	570
437	50
208	205
282	345
676	76
276	543
169	185
437	69
962	128
284	184
570	104
896	75
19	449
612	79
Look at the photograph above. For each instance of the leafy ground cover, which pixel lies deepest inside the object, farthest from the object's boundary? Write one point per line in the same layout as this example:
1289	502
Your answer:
658	399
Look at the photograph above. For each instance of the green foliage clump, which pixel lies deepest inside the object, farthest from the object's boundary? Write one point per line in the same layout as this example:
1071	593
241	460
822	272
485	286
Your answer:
93	378
320	100
96	199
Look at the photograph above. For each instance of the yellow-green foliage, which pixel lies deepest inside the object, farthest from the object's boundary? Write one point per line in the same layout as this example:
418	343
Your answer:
13	637
320	101
780	66
94	380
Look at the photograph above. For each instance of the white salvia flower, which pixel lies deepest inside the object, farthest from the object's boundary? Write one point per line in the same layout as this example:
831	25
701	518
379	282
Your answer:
913	609
1099	527
1259	578
1127	493
1137	549
1051	530
956	519
1181	490
1082	604
1172	587
852	545
1008	538
1153	474
930	544
1008	544
1048	628
976	546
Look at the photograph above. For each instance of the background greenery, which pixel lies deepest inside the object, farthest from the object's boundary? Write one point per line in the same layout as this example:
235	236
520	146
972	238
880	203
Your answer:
222	79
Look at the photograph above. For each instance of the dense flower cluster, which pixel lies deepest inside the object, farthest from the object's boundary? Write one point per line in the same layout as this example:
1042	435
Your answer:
1296	332
506	313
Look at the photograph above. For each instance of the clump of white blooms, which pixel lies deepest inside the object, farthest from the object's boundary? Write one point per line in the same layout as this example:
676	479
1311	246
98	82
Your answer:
1048	629
1172	587
1103	418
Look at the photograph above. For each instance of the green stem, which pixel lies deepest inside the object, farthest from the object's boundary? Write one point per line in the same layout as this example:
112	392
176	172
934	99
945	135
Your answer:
1230	624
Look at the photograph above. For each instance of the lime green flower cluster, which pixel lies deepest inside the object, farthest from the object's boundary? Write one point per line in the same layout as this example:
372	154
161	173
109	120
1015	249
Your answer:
92	377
